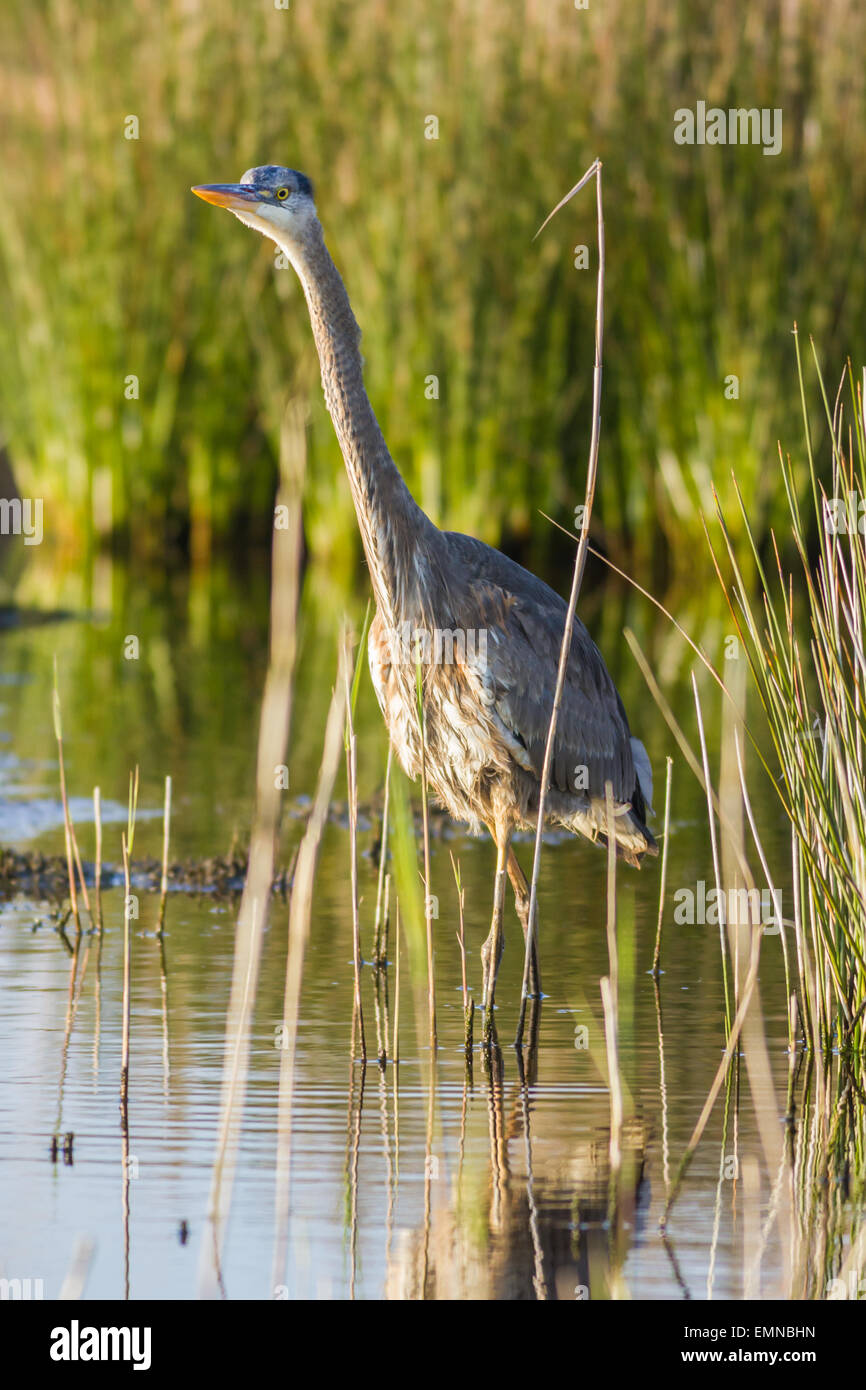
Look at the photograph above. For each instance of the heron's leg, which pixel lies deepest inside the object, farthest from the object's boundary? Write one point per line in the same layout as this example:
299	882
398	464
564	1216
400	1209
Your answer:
521	902
491	951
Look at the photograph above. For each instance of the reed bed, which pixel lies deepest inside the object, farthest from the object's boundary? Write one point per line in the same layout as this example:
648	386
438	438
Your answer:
807	1183
803	638
123	305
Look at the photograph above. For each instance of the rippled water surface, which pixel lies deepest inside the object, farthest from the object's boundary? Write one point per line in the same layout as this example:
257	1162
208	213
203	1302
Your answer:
427	1178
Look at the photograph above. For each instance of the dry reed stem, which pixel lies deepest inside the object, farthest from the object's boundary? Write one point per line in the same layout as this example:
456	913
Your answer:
75	1279
300	912
748	987
682	742
67	819
657	954
579	565
124	1047
609	1004
395	1046
97	884
747	804
380	928
428	901
468	1002
708	788
757	933
610	994
274	726
166	827
754	1043
352	788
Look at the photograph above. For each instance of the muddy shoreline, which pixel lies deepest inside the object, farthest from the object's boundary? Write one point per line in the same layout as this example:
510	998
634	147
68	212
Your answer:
45	875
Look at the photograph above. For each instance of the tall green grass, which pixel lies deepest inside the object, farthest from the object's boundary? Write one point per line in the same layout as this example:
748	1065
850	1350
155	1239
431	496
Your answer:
809	670
109	269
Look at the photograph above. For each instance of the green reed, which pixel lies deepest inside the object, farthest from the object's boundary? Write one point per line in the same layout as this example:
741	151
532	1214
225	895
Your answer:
809	672
109	269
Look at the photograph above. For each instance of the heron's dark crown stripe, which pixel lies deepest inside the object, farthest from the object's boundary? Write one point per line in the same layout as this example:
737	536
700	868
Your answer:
276	176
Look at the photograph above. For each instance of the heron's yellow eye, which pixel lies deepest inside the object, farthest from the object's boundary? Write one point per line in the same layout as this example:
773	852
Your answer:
282	194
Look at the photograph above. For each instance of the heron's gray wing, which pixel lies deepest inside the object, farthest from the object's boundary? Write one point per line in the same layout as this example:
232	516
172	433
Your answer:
523	642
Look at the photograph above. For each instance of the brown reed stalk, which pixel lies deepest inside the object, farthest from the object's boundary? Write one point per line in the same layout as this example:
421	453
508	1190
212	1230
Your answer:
97	884
747	806
352	789
657	954
124	1047
714	845
75	1278
81	879
733	1037
300	911
380	927
395	1046
425	821
163	887
610	995
751	977
386	922
468	1001
274	726
67	819
577	579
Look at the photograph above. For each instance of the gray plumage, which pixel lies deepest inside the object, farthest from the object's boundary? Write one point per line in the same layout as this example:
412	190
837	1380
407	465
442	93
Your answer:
488	632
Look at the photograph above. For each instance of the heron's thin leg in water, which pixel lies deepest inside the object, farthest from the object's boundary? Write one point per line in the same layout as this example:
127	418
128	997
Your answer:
491	951
521	902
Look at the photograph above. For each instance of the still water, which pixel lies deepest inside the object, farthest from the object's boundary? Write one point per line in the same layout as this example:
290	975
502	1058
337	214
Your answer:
417	1180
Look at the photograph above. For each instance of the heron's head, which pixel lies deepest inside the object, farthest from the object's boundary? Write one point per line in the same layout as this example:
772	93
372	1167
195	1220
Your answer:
278	202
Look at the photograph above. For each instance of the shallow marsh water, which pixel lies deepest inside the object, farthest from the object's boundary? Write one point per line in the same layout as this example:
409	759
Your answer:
427	1182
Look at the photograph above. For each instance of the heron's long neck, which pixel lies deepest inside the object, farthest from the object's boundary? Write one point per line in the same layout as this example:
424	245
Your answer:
394	530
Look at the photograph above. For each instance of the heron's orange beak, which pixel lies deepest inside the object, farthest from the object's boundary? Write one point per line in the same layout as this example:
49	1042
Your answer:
226	195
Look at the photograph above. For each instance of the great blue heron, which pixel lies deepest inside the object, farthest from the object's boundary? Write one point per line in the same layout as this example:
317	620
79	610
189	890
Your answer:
487	631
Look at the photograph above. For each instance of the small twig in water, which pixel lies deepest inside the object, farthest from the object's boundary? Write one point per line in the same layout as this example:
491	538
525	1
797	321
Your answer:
657	954
97	879
166	826
468	1001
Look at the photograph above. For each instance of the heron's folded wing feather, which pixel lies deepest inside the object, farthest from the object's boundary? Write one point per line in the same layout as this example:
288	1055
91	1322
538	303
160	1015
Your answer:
524	621
592	743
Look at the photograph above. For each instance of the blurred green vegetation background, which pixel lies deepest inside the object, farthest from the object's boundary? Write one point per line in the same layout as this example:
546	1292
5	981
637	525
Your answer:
110	269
